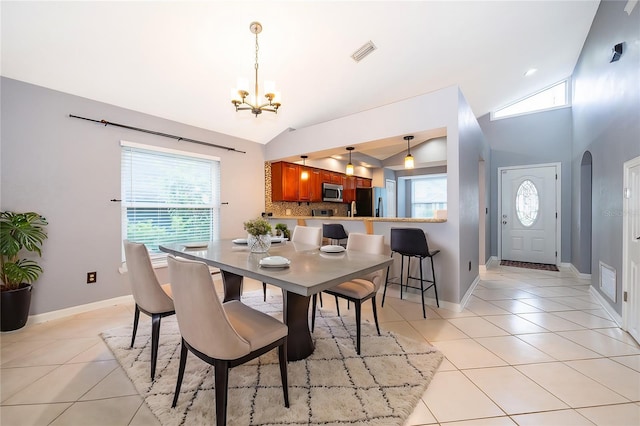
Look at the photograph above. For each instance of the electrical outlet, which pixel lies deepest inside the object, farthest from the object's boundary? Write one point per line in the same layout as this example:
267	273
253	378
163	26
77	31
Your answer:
92	277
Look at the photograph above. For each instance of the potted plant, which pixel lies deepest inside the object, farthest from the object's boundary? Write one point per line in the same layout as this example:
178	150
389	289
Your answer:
281	229
18	232
259	238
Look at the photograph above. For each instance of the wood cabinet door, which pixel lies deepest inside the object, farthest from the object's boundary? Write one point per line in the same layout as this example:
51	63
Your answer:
304	186
325	175
290	182
349	189
315	185
336	178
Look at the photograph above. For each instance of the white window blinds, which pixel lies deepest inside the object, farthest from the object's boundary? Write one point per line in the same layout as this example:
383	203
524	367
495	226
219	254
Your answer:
168	196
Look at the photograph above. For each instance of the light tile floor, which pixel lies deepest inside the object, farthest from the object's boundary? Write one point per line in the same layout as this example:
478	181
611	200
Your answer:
531	348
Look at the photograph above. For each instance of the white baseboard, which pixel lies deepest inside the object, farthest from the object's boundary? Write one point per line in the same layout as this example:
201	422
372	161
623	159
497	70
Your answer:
606	306
467	295
577	273
492	261
74	310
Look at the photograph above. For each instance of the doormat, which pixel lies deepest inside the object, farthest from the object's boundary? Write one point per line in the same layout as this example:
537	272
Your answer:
530	265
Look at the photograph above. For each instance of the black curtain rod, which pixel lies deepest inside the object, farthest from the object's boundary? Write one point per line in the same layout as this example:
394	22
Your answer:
166	135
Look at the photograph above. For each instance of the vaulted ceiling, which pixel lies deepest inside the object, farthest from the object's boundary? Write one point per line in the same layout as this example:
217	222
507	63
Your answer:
180	60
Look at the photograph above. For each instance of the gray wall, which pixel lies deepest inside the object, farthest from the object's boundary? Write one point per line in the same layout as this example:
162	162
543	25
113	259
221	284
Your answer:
606	122
538	138
68	170
472	148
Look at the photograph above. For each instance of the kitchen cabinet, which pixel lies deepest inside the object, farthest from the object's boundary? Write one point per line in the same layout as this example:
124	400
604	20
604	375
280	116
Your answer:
310	185
315	185
363	183
349	189
285	181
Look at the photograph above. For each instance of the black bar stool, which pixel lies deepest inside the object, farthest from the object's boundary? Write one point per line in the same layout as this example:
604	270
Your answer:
412	242
334	231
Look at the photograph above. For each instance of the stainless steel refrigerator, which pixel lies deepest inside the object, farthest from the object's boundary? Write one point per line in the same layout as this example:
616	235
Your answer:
370	202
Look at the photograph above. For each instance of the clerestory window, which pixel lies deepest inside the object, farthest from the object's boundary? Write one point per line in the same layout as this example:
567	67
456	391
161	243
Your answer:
556	96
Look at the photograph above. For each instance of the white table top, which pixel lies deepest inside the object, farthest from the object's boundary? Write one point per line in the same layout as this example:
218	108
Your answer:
311	271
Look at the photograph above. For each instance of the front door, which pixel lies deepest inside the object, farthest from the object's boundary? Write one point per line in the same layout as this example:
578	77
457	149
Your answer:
529	219
631	237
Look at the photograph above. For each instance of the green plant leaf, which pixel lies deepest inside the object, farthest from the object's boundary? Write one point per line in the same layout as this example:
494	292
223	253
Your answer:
20	231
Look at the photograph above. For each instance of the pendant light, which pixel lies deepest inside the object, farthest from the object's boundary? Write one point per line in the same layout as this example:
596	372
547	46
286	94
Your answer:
349	170
408	160
305	174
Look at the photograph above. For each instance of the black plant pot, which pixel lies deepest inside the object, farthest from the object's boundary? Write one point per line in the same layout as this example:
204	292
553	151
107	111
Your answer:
15	307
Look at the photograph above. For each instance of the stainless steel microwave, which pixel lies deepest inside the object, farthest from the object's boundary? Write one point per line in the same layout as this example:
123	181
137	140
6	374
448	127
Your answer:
332	192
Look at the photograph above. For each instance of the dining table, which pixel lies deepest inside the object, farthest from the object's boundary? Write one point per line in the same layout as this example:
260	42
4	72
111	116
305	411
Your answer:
309	271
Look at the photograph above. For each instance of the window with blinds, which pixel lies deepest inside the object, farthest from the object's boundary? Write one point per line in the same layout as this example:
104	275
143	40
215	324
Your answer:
168	196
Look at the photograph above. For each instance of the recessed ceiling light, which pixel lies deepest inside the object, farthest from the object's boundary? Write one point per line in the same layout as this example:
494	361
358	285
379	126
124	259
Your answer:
530	72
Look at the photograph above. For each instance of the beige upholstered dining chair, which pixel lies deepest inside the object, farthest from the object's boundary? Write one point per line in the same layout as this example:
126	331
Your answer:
223	335
151	298
360	289
304	235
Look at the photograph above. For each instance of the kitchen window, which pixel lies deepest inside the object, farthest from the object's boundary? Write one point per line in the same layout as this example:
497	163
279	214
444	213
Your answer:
428	195
168	196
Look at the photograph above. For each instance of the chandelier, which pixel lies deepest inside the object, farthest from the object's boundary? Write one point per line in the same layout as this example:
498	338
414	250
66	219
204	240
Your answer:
271	95
408	160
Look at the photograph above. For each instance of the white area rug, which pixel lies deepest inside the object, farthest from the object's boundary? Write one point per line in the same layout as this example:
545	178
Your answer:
334	386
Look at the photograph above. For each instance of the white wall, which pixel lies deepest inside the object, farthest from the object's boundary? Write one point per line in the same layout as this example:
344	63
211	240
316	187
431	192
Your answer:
429	111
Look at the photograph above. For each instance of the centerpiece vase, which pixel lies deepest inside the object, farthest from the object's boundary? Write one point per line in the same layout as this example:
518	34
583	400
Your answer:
259	243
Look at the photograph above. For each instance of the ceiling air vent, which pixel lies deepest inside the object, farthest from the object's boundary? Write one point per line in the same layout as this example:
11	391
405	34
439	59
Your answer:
364	51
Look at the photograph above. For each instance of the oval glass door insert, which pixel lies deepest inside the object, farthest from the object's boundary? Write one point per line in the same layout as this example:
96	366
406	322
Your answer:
527	203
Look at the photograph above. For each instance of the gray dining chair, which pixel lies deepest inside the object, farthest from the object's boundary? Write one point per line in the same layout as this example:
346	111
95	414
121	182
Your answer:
304	235
150	297
224	335
360	289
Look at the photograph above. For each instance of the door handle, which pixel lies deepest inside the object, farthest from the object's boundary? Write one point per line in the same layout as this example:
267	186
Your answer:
504	222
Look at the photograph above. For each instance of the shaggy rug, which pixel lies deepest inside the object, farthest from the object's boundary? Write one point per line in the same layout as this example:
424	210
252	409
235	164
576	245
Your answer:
334	386
529	265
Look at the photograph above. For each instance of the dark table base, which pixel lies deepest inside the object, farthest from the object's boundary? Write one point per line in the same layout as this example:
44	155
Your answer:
295	315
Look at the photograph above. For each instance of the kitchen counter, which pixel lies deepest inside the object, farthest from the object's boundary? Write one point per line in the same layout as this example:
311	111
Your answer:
439	233
368	222
361	218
